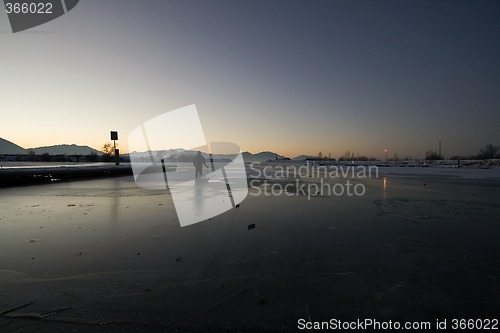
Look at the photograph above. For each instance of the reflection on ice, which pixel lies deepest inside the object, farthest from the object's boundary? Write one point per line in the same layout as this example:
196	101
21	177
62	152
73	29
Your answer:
214	193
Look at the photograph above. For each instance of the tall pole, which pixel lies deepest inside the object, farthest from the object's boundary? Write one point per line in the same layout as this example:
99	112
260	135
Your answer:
386	156
212	161
114	137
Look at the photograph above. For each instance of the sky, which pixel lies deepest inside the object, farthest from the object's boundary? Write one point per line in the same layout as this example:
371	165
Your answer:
293	77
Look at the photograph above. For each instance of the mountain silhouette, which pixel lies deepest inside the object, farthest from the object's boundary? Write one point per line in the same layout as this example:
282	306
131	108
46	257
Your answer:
7	147
263	156
64	150
10	148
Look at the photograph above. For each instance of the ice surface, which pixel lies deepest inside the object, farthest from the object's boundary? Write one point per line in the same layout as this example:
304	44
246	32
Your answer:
414	247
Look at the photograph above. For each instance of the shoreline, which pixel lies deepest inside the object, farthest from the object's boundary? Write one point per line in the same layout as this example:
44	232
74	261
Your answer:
46	174
10	177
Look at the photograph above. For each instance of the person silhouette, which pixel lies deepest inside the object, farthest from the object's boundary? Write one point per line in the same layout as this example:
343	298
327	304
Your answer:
198	163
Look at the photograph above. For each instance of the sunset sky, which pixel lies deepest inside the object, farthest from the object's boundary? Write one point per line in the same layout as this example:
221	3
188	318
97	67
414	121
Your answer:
294	77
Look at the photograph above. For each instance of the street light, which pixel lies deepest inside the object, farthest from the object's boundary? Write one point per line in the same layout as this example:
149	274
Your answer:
386	157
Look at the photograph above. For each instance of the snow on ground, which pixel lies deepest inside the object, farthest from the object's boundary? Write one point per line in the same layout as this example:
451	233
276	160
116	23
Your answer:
472	170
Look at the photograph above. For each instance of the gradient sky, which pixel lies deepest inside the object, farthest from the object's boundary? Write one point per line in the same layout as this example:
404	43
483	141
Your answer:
294	77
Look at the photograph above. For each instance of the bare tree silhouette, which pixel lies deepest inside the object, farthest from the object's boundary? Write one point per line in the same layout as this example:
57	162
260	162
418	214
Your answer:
488	152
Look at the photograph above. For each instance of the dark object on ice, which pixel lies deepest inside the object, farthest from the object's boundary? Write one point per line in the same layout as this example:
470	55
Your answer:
251	226
425	184
178	259
138	253
237	206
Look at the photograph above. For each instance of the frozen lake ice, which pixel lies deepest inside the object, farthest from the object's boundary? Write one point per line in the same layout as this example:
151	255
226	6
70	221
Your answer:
421	244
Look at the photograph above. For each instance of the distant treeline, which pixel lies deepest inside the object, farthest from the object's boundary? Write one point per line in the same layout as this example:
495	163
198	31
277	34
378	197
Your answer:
46	157
487	153
183	157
